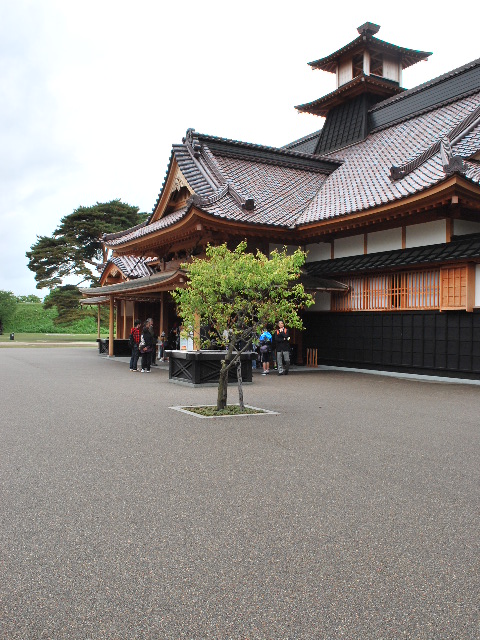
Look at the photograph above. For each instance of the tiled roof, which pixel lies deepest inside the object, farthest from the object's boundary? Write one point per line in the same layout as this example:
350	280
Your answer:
279	193
426	85
131	266
149	282
255	184
408	56
131	234
363	181
460	248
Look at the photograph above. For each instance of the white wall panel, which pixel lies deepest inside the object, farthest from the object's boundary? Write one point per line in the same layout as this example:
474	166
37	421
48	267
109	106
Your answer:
391	69
345	71
318	251
462	227
419	235
352	246
322	302
387	240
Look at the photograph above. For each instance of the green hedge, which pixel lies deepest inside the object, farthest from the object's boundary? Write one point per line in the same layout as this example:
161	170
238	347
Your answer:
31	317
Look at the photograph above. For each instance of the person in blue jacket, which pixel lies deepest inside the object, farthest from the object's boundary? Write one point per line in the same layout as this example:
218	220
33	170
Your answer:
265	350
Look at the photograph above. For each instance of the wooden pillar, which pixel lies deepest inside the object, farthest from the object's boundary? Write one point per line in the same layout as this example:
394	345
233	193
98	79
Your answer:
449	230
470	287
98	322
124	303
111	337
162	313
118	315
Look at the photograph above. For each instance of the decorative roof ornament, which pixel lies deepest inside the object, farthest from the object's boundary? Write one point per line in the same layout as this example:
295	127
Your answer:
368	29
451	164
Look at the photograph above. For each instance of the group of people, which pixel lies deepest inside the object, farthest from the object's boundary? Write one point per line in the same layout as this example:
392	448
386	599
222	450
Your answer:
279	342
143	344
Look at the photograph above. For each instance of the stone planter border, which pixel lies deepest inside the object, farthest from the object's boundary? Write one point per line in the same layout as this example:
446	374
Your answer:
264	412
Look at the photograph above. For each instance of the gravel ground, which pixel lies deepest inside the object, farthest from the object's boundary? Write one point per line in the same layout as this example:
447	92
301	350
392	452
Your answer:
353	513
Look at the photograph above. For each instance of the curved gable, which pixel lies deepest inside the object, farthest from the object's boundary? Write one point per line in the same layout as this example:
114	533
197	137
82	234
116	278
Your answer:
175	193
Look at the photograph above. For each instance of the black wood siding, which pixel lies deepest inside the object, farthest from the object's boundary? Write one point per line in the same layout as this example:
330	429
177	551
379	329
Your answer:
345	124
417	342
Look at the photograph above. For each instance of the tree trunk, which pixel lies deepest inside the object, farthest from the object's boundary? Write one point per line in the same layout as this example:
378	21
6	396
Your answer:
222	387
240	387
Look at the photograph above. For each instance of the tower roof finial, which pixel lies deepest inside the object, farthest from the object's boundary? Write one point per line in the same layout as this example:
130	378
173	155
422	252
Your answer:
368	29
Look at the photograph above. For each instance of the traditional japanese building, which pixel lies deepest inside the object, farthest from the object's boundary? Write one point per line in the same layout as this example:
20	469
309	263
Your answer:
384	197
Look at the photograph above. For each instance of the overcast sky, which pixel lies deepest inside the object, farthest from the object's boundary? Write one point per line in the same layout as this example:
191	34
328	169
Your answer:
94	92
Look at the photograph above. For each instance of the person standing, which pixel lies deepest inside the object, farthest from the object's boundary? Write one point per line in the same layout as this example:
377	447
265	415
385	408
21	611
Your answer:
147	348
282	346
265	350
134	342
154	350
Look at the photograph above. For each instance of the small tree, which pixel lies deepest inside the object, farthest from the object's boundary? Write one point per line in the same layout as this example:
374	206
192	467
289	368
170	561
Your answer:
236	294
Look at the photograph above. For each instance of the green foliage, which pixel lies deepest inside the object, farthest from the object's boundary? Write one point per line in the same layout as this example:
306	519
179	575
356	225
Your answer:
8	304
67	302
237	294
29	298
33	318
75	247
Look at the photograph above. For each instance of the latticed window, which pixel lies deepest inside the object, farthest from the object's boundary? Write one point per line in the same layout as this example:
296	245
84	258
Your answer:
392	291
443	288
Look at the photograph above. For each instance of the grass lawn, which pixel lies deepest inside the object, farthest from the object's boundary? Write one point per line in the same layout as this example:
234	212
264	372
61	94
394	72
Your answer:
49	339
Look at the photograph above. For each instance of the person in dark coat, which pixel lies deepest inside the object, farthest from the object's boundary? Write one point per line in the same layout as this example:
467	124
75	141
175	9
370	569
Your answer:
155	340
147	349
281	338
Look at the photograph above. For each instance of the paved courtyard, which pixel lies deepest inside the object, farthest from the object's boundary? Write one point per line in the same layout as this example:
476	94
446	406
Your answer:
353	513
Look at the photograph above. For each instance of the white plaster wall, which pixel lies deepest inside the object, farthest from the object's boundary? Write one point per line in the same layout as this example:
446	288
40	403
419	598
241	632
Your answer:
462	227
352	246
318	251
129	308
419	235
387	240
322	302
345	71
477	286
279	247
391	69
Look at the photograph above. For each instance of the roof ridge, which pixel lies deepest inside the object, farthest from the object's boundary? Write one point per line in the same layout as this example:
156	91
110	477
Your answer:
300	140
119	234
449	161
250	145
